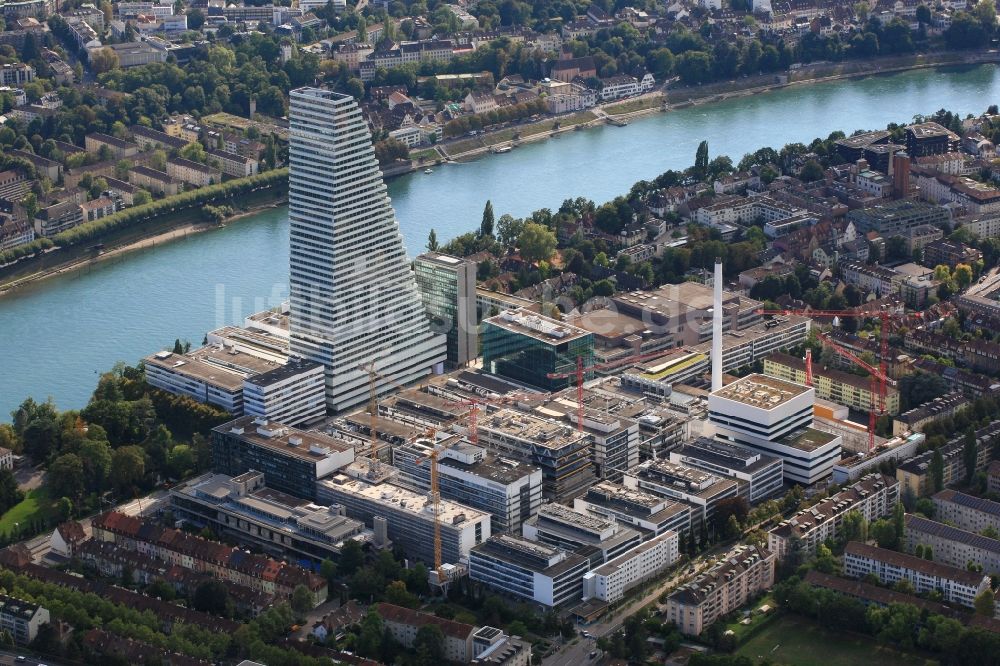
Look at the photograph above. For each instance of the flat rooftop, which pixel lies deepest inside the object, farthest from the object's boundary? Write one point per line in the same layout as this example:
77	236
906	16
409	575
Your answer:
225	368
402	499
537	327
536	430
445	260
807	439
761	391
308	445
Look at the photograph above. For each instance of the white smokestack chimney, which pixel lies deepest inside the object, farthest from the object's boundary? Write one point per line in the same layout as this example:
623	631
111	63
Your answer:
717	328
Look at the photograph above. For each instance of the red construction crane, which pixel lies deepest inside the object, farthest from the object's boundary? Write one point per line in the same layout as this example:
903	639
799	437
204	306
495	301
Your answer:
884	315
578	373
474	404
878	378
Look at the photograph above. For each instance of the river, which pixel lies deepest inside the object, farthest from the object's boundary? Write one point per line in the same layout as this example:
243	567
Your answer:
58	334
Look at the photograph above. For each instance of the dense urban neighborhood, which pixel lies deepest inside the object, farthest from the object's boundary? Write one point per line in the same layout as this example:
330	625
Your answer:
747	412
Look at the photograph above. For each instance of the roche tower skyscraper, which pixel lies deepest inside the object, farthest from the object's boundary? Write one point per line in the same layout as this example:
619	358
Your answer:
354	300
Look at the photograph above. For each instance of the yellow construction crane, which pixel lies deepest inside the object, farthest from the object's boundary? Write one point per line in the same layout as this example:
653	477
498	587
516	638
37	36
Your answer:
435	502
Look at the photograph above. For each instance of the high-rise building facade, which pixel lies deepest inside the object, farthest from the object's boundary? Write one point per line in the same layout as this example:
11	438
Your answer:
448	287
354	300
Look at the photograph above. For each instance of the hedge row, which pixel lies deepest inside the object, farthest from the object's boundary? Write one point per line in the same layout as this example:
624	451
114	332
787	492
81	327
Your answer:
89	231
24	250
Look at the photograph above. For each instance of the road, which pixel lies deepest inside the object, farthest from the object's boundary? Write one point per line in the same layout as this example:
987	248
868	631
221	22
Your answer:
10	658
579	653
987	283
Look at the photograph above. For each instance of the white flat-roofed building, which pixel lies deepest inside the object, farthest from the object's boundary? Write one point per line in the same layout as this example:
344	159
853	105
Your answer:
610	581
952	545
957	585
697	488
409	516
745	572
873	496
21	618
509	490
291	459
775	417
760	475
277	523
966	511
294	393
753	343
651	514
529	570
210	375
573	531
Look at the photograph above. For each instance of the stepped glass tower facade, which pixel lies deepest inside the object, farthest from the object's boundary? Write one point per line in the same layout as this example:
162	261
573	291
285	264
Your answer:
354	300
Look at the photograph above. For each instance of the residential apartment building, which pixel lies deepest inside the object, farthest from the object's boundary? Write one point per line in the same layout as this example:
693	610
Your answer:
914	475
650	514
153	181
774	417
839	386
874	496
193	553
896	218
950	253
956	585
968	512
943	406
232	164
148	138
292	460
119	149
510	491
244	509
744	572
97	208
405	623
529	570
760	476
193	173
353	305
610	581
409	516
951	545
21	618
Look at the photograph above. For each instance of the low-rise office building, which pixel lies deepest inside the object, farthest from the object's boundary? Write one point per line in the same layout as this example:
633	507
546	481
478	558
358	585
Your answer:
952	545
651	514
610	581
614	440
700	490
956	585
760	476
409	516
562	527
244	508
745	572
293	393
510	491
291	460
873	496
529	570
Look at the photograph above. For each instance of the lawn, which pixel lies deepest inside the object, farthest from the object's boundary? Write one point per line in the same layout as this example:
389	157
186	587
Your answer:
795	640
35	505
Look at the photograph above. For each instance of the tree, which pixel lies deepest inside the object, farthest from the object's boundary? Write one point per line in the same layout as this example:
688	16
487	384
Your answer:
985	603
486	226
194	151
212	596
432	241
103	60
536	243
178	347
351	558
429	645
811	172
141	197
854	527
302	600
196	19
509	229
969	454
396	593
732	528
923	14
937	470
700	170
66	476
128	467
884	533
10	494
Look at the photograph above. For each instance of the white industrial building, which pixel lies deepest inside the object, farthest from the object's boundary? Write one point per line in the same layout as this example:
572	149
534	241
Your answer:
566	529
610	581
651	514
775	417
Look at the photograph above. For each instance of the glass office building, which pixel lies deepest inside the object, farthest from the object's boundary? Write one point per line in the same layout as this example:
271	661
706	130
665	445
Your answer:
448	287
